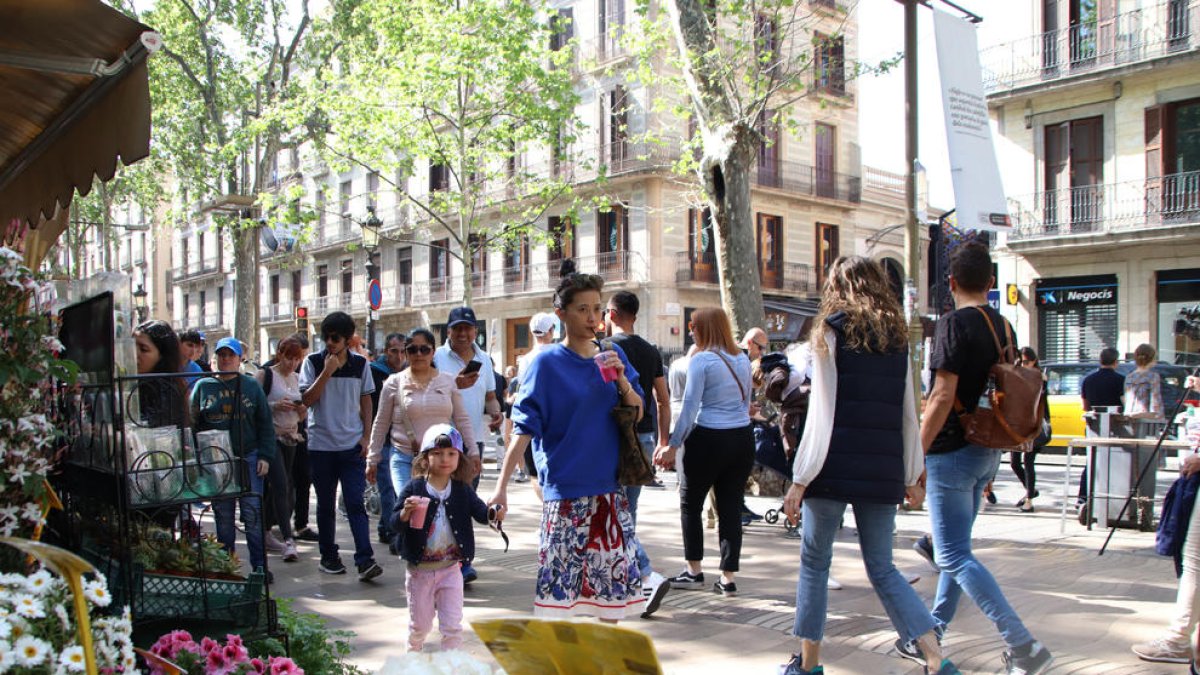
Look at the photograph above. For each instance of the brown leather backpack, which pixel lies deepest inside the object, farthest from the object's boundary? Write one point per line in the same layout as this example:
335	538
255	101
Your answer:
1017	405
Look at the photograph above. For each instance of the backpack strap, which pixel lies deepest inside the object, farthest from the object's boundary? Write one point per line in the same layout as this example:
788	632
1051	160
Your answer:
1000	351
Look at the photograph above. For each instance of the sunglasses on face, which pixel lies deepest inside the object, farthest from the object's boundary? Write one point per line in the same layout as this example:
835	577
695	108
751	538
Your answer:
423	350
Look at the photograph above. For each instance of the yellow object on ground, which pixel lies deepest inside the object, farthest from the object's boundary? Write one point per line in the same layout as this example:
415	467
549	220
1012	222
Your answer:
567	647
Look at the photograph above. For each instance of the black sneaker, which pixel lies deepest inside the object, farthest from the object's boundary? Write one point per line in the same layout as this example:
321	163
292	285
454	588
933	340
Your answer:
924	548
307	534
332	566
726	589
385	537
369	570
687	580
910	651
747	513
990	497
1036	661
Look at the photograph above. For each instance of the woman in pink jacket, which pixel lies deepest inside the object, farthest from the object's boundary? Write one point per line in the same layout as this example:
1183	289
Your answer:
412	401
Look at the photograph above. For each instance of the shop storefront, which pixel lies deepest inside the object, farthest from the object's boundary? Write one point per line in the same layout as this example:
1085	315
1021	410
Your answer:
1077	317
1178	316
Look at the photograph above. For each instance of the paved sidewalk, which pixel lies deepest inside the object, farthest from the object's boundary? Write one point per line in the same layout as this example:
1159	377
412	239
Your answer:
1087	609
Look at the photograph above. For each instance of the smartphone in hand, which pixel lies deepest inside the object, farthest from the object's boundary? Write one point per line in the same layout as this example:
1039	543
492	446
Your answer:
472	367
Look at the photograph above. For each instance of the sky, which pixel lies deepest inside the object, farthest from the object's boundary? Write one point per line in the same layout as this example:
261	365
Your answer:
881	98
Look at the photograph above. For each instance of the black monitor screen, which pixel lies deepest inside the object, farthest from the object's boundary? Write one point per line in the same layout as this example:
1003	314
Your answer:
87	337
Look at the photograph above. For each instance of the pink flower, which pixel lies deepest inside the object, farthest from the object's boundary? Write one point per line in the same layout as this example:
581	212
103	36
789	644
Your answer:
281	665
216	663
236	654
258	667
235	640
208	645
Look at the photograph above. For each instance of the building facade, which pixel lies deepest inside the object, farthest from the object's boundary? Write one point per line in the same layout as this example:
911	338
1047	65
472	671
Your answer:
812	201
1098	113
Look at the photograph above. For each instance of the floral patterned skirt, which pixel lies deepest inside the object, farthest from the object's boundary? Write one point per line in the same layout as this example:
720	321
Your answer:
587	561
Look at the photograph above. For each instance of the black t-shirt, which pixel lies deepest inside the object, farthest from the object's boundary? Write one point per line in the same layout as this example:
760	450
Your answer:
647	361
1103	387
963	345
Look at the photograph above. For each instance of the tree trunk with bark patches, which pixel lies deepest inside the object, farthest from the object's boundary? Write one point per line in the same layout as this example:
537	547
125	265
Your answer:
245	286
729	143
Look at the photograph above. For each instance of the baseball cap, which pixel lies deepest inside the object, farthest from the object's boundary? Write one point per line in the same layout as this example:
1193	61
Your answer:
461	315
232	344
431	436
542	323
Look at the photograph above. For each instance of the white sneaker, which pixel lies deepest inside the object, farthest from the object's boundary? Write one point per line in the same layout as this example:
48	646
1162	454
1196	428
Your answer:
289	551
655	588
1163	651
272	543
833	584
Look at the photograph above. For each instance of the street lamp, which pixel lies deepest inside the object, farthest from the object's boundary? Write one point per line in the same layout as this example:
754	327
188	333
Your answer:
139	303
370	241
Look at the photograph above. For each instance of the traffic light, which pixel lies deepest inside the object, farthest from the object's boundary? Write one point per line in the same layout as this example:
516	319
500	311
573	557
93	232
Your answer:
302	320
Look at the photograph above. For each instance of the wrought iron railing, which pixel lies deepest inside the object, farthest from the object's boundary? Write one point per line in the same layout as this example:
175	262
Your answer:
779	276
1166	201
1129	37
805	179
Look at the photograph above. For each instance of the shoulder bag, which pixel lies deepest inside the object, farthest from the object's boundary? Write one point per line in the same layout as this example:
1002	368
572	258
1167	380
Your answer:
633	467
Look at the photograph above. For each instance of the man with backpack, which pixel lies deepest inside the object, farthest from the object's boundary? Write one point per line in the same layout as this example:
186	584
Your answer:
963	358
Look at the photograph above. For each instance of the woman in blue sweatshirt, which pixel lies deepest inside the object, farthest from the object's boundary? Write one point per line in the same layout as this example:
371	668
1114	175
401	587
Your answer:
587	560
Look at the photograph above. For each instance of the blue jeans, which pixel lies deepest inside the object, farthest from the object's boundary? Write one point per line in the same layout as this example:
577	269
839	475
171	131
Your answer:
955	487
251	517
876	526
632	493
387	491
401	472
347	467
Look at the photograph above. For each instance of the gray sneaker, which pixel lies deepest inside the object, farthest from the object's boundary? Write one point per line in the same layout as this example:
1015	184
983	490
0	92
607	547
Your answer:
369	570
1163	651
1036	661
924	548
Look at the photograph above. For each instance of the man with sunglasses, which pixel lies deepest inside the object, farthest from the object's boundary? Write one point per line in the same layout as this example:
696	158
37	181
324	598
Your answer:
336	385
389	362
478	393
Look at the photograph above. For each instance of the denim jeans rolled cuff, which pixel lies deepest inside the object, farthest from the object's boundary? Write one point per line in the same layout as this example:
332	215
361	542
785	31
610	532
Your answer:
250	506
876	525
347	468
387	491
955	482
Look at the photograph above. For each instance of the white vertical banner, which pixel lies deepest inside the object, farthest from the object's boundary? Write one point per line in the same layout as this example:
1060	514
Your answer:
978	192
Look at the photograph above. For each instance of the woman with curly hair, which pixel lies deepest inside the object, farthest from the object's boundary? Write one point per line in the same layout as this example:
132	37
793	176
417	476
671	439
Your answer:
587	558
861	447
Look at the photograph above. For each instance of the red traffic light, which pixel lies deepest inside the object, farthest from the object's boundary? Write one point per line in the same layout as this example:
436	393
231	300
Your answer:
301	312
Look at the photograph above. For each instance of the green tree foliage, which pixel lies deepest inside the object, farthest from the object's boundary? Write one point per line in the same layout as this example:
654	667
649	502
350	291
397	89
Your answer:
740	68
471	86
218	92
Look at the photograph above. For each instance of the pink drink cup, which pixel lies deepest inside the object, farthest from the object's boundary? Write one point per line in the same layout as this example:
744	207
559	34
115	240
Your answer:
608	373
417	519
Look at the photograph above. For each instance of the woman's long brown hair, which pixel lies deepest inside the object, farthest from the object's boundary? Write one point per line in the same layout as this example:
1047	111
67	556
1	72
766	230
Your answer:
859	287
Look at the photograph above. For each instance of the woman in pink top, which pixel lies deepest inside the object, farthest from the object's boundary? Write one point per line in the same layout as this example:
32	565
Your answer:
412	401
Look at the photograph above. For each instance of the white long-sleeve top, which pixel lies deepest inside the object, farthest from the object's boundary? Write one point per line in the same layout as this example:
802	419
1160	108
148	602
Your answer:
818	426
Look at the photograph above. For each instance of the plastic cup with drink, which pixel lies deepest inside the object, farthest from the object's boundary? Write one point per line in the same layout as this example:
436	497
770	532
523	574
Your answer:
416	519
607	373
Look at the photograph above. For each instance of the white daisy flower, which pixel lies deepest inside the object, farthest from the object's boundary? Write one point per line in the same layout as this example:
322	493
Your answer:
39	581
8	658
31	651
5	629
28	606
32	512
97	592
61	612
72	659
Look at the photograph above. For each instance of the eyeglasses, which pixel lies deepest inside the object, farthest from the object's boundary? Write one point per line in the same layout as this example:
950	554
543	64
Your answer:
423	350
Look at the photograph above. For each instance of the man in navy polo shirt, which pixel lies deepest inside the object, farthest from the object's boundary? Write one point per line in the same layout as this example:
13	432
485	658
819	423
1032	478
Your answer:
478	393
336	385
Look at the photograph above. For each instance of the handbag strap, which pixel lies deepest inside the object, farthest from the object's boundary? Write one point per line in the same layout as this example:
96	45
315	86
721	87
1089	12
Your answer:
413	442
741	389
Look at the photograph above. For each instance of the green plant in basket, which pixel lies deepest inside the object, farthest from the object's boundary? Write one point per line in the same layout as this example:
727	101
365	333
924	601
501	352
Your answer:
215	559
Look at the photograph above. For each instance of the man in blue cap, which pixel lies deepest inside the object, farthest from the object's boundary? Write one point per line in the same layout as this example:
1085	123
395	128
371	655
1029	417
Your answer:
217	403
478	393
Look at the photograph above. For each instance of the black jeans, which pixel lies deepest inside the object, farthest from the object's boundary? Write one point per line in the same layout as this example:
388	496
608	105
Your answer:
719	459
280	497
301	485
1022	464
